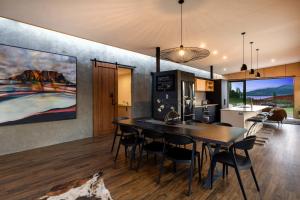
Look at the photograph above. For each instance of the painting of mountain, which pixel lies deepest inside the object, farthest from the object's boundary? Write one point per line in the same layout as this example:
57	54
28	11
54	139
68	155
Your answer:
36	86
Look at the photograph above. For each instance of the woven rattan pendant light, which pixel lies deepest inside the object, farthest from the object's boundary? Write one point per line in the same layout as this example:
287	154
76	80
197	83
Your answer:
183	54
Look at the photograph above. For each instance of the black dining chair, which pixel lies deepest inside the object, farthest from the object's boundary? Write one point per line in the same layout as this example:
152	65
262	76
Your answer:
205	145
237	161
177	154
129	137
152	143
116	134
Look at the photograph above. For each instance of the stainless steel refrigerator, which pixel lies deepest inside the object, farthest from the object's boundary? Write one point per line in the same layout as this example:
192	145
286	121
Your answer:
187	100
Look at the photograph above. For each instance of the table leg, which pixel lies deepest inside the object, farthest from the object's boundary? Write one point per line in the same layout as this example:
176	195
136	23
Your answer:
217	173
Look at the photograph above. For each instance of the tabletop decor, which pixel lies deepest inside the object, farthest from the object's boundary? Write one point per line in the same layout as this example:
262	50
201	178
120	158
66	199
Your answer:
36	86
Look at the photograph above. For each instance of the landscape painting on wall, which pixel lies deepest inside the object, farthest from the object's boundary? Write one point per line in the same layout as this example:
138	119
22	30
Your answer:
36	86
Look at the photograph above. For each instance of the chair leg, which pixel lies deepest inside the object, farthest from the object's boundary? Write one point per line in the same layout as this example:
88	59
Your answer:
132	157
115	136
201	163
174	167
161	168
125	147
240	181
211	173
117	153
199	167
206	153
140	158
224	168
191	177
254	177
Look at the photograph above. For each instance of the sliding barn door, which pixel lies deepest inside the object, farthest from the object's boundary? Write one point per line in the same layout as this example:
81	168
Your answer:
104	97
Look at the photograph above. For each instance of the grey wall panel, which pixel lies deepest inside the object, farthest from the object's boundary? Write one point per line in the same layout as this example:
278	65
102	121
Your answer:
28	136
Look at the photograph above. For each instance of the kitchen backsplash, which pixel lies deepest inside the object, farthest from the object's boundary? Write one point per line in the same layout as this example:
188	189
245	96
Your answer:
199	97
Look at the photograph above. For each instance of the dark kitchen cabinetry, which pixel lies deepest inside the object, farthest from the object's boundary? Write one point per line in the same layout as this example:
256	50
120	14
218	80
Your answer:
219	96
199	113
212	110
173	90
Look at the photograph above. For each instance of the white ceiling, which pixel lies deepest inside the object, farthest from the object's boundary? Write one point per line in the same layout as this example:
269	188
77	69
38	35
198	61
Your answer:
141	25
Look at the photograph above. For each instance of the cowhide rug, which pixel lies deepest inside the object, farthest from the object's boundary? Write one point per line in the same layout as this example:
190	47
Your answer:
88	188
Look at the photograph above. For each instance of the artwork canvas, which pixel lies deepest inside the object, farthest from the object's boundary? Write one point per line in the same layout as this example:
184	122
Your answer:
36	86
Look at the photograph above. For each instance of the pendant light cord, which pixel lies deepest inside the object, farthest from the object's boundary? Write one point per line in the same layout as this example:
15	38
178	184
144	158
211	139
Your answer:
251	53
257	59
243	48
181	24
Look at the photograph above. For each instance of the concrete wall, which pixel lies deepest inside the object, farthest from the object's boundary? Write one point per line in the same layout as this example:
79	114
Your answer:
22	137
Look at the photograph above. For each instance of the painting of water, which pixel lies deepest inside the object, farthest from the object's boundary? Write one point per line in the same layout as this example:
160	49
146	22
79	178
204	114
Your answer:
36	86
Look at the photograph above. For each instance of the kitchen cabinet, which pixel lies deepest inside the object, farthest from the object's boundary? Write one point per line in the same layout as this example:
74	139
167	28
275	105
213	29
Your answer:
203	85
199	112
219	96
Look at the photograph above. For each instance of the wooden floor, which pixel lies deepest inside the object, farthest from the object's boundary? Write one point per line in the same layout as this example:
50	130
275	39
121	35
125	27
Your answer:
31	174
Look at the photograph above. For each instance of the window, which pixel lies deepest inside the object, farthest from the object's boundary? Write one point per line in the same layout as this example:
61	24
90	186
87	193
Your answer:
276	92
236	93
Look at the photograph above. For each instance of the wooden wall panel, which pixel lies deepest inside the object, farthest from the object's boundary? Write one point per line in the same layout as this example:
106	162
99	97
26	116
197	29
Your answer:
292	69
277	71
296	97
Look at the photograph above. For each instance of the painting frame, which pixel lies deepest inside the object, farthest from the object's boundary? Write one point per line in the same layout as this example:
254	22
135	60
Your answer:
62	117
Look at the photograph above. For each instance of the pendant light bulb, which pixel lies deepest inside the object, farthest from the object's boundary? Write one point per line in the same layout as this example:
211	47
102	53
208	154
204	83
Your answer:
244	66
181	51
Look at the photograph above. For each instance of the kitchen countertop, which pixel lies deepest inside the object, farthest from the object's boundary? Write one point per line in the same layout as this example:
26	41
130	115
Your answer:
196	106
243	109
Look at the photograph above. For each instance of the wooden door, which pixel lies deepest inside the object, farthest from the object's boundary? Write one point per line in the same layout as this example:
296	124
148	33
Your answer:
104	97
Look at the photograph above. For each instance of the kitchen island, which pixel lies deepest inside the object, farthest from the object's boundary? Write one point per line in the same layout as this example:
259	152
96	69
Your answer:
237	116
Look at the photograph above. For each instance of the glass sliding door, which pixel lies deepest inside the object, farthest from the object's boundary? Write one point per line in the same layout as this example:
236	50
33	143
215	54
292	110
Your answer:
237	96
277	92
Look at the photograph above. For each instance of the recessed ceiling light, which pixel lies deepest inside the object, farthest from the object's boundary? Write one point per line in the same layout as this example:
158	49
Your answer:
224	57
202	45
215	52
273	60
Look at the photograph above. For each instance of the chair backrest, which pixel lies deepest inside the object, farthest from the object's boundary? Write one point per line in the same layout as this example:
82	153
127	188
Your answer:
222	124
150	133
178	139
128	129
245	144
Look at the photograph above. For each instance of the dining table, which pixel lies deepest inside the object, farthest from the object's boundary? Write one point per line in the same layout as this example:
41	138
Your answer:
208	133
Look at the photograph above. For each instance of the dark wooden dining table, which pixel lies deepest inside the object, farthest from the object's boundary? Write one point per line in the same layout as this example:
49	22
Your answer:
208	133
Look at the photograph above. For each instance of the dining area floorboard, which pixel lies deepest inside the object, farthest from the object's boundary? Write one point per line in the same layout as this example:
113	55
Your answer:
31	174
